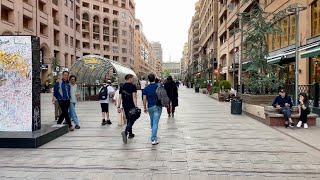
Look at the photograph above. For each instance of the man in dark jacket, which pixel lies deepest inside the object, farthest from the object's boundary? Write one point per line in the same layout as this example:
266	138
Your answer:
62	94
283	103
172	92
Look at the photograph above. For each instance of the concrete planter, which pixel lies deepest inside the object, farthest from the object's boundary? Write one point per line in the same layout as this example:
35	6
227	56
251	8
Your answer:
258	99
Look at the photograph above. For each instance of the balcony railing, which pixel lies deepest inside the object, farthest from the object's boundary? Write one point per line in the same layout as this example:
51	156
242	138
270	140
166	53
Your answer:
56	22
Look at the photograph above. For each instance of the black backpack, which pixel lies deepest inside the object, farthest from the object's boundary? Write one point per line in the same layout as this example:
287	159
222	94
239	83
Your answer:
103	93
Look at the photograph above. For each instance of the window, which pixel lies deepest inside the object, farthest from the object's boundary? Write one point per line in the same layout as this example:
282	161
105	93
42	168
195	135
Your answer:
115	49
115	58
123	15
86	5
7	14
124	50
115	12
66	39
95	7
124	42
71	23
124	59
71	5
292	30
43	29
66	3
124	24
71	41
27	22
315	18
285	32
124	33
106	1
66	20
42	6
106	10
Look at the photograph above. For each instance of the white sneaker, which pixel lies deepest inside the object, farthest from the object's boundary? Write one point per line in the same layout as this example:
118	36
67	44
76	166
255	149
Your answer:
155	142
305	125
299	124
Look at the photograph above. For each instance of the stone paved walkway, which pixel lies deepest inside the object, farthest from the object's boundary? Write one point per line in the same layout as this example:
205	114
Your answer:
203	141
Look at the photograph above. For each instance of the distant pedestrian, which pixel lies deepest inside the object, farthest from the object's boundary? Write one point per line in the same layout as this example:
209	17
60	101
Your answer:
172	92
62	94
143	84
74	95
154	108
304	110
106	94
128	98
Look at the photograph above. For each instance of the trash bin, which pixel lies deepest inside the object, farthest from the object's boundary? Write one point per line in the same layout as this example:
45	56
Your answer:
197	89
236	106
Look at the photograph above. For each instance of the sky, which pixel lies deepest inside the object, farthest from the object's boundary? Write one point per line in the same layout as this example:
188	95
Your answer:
166	21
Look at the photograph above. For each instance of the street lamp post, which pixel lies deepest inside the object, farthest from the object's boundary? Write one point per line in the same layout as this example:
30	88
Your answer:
296	8
240	15
316	87
234	57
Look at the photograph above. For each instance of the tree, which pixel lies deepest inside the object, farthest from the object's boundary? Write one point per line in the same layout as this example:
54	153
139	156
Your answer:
258	26
166	73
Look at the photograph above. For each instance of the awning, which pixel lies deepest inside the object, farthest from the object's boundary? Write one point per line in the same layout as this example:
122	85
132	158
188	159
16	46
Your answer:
311	52
246	65
274	60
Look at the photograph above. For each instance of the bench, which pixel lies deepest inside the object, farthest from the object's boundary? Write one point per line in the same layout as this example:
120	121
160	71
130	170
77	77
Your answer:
274	118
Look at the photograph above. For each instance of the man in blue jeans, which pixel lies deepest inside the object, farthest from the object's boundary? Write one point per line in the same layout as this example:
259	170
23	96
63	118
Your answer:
150	97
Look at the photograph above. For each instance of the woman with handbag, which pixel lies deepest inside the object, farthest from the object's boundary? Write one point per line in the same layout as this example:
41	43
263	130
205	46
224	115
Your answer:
304	110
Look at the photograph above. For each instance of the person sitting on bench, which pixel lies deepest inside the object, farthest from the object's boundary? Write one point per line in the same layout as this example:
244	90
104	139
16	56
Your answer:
283	103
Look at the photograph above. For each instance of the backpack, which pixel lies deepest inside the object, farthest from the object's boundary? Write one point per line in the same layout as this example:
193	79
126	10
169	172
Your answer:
103	93
162	96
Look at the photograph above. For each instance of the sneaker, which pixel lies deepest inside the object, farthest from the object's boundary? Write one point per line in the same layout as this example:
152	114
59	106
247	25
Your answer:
286	125
299	124
155	142
169	115
124	137
104	122
172	115
305	125
131	136
109	122
71	128
77	127
291	125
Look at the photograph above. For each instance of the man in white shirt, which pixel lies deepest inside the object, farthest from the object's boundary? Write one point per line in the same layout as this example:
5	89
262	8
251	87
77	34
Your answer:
143	84
104	101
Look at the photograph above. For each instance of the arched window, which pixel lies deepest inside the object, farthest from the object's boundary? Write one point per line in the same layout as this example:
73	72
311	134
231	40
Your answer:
106	21
115	23
85	16
96	19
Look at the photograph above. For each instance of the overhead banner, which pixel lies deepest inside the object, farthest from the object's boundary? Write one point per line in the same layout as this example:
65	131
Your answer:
19	83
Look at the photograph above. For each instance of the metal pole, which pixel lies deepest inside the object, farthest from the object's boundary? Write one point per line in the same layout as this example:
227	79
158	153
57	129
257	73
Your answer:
297	60
241	55
212	56
234	57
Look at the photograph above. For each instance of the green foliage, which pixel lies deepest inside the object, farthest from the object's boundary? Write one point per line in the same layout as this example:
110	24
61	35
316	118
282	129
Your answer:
203	85
261	76
54	63
213	90
166	73
226	84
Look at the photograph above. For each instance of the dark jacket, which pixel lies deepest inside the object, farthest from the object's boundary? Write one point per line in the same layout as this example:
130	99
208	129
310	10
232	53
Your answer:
172	92
62	90
282	101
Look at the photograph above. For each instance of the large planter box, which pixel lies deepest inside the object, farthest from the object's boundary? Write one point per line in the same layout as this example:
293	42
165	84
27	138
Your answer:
258	99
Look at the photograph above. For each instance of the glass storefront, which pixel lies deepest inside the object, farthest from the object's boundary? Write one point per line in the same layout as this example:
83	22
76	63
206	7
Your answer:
312	69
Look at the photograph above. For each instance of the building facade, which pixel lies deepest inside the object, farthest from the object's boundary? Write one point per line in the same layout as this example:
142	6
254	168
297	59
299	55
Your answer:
184	61
69	29
157	48
145	59
208	36
174	69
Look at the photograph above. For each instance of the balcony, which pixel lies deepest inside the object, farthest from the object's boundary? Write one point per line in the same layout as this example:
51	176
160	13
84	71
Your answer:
196	32
196	39
223	9
78	16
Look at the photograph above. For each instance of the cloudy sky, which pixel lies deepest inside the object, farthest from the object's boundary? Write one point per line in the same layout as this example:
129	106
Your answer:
166	21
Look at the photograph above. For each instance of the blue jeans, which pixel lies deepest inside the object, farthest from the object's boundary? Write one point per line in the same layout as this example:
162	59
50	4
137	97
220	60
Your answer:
155	113
73	114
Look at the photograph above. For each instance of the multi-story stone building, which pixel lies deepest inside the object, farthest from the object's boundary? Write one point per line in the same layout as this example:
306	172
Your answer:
174	69
146	58
193	42
69	29
157	48
184	61
208	35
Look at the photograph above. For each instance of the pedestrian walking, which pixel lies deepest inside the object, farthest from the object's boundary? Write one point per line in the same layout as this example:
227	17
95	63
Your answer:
106	94
57	109
73	100
121	115
143	84
154	107
128	98
62	94
172	92
304	110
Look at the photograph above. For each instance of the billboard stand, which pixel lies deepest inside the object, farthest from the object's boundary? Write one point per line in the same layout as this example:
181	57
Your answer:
20	83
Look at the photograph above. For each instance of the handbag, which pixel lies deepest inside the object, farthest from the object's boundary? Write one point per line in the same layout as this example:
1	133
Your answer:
135	113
